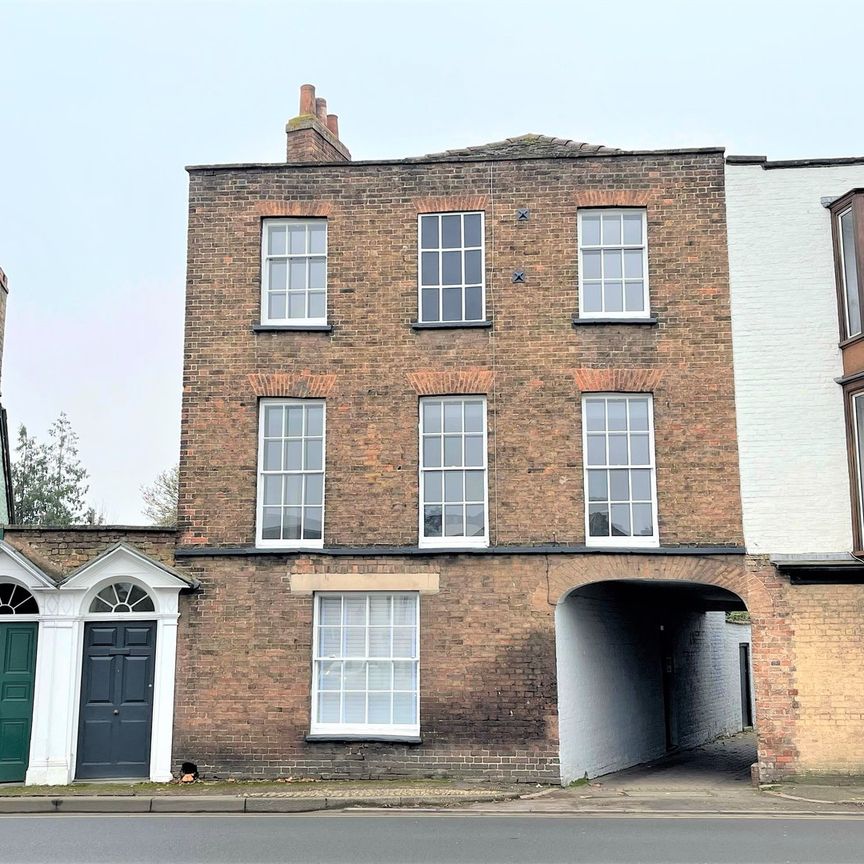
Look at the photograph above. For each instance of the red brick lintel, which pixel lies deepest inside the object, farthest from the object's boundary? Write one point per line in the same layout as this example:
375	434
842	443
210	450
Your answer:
292	208
613	198
450	203
617	380
430	383
297	385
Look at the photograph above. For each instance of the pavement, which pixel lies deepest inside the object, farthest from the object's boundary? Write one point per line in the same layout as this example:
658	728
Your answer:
711	779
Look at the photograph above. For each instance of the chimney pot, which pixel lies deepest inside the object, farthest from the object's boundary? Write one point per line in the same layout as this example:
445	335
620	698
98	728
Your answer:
307	99
333	124
321	110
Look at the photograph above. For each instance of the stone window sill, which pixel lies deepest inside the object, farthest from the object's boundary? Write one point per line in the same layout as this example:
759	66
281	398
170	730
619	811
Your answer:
578	322
451	325
386	739
296	328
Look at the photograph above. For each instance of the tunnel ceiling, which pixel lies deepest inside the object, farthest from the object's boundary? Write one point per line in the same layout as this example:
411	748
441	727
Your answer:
683	595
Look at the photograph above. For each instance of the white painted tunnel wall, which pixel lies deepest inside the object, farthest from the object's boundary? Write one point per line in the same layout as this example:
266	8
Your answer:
610	688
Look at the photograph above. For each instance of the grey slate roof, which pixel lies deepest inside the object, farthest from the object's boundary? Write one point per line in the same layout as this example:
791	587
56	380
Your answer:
523	147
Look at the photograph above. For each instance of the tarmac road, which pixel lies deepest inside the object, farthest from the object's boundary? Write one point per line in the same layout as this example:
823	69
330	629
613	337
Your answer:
422	838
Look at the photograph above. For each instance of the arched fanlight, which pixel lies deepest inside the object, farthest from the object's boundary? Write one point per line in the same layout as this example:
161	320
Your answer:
122	597
15	600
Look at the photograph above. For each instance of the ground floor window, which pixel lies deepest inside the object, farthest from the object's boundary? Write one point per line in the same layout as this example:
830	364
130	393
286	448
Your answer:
366	664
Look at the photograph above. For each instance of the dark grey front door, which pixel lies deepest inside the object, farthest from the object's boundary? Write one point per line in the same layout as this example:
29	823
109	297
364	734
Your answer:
116	699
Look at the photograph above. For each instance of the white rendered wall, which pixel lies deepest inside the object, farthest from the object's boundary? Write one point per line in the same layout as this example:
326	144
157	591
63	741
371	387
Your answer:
791	433
610	683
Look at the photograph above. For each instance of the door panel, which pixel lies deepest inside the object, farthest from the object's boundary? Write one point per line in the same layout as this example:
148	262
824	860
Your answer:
116	700
17	676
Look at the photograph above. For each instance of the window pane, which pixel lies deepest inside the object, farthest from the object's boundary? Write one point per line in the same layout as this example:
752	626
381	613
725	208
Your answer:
473	267
330	610
453	519
474	520
297	274
452	416
638	415
354	708
330	641
619	485
598	520
639	450
313	518
317	238
475	485
404	708
453	451
598	486
314	419
620	520
640	484
452	304
297	239
276	243
429	232
354	641
453	486
451	268
473	233
632	228
313	454
850	272
355	675
611	229
404	642
330	675
633	264
634	297
432	488
451	231
278	274
328	708
617	449
596	450
429	269
273	415
617	414
474	450
379	707
379	641
429	300
432	452
591	267
405	609
317	273
271	523
273	490
404	675
291	523
432	521
272	455
294	421
293	455
473	304
612	265
380	675
473	416
379	609
276	306
354	610
431	416
297	305
643	520
592	297
590	229
614	293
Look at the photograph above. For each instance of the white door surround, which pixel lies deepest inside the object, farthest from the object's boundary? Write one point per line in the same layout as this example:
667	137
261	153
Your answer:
64	607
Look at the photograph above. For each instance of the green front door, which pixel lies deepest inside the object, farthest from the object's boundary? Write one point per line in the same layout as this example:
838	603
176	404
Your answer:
17	674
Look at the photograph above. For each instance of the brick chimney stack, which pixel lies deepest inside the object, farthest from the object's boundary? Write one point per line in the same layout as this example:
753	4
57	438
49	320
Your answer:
313	135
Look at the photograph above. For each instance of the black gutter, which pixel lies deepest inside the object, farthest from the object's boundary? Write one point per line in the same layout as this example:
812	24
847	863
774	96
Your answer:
7	467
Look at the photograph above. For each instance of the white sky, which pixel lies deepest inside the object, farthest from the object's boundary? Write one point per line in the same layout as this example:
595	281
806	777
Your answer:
102	104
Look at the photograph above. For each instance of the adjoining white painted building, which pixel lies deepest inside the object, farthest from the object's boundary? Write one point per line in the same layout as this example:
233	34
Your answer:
792	440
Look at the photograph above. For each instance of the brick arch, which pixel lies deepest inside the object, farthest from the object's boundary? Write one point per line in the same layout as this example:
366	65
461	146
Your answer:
772	632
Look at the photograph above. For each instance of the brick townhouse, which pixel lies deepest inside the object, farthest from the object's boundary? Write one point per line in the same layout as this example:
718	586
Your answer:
459	489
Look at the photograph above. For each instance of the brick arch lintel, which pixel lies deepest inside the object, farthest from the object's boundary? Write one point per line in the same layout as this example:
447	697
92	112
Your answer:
292	208
613	198
297	385
428	382
450	203
617	380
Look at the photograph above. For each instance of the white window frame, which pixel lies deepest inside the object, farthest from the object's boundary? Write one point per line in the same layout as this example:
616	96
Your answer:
265	271
363	729
299	543
613	541
620	211
452	542
843	278
440	287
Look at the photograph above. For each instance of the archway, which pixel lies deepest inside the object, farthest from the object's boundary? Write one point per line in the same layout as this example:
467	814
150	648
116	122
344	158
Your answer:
649	667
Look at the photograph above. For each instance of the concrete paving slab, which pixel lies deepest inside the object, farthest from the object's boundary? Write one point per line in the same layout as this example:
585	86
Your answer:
102	804
286	805
27	805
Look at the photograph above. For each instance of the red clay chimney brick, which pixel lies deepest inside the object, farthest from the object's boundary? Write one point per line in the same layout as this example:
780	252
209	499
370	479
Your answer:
312	136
